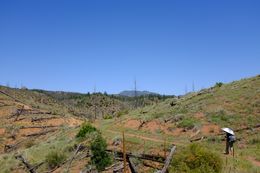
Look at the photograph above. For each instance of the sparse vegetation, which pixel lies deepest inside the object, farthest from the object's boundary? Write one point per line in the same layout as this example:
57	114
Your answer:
200	113
55	158
196	159
254	141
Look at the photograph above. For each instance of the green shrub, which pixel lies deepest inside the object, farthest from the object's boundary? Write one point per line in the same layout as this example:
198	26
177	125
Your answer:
196	159
187	123
55	158
218	84
122	112
100	157
85	129
108	116
220	117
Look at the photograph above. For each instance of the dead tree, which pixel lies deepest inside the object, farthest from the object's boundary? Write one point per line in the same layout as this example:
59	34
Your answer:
168	160
132	165
29	167
73	157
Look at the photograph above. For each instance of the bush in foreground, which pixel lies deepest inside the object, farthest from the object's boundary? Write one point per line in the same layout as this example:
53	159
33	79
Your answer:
85	129
196	159
100	157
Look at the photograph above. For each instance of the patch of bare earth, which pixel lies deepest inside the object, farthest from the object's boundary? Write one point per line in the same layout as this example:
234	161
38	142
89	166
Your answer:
29	131
199	115
6	111
152	126
210	129
2	131
132	124
73	122
254	161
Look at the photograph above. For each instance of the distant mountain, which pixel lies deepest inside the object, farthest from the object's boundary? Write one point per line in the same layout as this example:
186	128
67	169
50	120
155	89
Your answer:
131	93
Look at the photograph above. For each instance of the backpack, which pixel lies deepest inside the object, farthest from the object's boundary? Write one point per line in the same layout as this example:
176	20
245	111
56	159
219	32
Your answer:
232	138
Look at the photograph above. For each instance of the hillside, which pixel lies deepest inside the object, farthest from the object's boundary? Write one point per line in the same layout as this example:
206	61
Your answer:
198	117
89	105
35	124
234	104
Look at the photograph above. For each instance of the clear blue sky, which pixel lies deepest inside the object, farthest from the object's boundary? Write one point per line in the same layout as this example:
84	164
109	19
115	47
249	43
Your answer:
75	45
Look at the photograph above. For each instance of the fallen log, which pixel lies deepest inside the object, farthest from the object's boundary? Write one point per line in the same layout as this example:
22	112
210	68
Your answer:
29	167
41	133
40	127
42	119
11	147
168	160
154	158
73	157
22	111
132	165
20	119
198	139
38	165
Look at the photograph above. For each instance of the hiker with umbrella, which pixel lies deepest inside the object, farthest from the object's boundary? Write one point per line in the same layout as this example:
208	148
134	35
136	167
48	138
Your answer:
230	139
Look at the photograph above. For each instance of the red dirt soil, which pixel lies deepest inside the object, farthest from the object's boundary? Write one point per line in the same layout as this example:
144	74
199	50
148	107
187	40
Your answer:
2	131
210	129
254	161
132	124
199	115
29	131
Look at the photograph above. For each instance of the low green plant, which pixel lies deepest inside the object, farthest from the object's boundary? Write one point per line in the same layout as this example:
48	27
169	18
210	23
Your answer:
196	159
108	116
219	117
85	129
122	112
55	158
187	123
254	141
100	157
